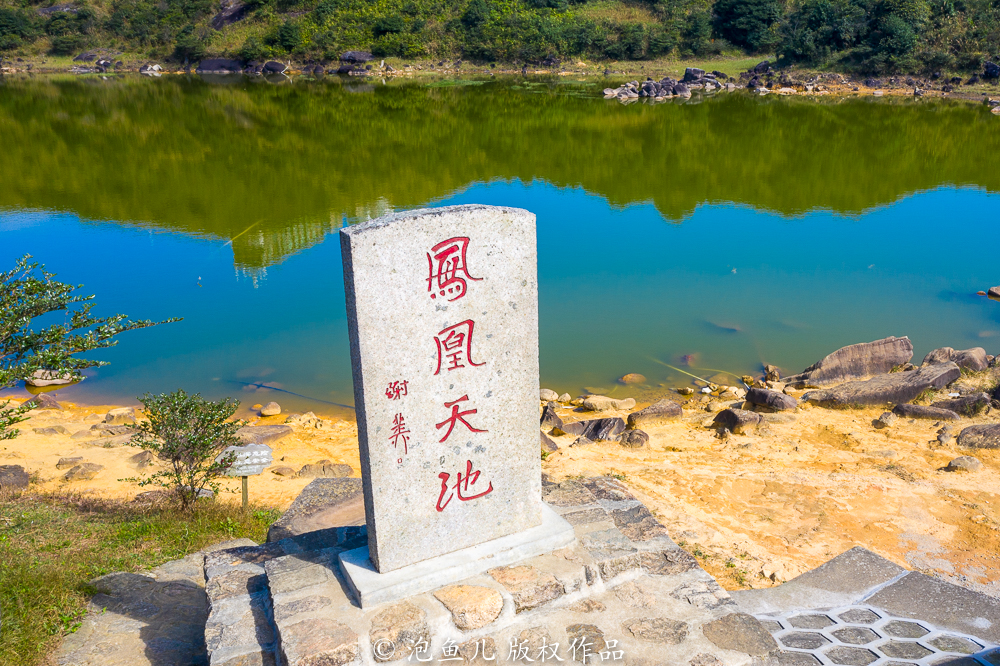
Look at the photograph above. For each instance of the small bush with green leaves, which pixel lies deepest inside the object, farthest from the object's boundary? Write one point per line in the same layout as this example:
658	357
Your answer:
188	433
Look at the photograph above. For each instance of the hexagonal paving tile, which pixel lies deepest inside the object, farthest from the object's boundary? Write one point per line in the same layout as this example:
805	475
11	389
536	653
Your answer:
904	650
793	659
851	656
804	640
810	621
992	658
859	616
772	625
956	644
901	629
855	635
900	663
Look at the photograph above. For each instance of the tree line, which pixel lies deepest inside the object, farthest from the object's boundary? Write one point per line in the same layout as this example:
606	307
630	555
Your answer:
864	36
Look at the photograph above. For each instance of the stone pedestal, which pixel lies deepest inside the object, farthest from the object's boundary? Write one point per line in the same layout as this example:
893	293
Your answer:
371	587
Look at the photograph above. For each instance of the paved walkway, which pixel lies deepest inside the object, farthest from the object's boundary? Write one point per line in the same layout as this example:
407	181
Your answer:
860	609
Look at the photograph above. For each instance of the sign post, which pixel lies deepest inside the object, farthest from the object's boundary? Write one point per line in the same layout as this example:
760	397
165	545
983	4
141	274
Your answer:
251	460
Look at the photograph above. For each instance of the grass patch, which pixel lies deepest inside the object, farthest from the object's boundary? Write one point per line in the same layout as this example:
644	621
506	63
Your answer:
612	10
51	546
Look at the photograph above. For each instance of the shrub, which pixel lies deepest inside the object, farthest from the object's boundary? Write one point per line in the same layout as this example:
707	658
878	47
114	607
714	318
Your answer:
698	32
252	49
398	45
189	46
289	36
188	433
66	44
388	25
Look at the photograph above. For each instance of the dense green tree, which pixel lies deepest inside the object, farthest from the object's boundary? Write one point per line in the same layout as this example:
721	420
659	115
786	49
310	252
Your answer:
28	293
752	24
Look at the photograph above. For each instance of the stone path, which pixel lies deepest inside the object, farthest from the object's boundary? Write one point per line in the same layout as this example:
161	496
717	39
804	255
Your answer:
624	589
859	609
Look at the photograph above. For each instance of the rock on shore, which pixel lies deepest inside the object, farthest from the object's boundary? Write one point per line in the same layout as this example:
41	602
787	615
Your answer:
892	388
855	362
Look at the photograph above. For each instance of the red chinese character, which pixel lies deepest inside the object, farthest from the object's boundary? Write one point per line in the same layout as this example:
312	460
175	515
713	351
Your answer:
446	267
396	389
455	343
457	416
399	431
461	486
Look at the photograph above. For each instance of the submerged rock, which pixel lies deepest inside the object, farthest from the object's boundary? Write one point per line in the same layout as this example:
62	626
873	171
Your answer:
632	378
854	362
893	388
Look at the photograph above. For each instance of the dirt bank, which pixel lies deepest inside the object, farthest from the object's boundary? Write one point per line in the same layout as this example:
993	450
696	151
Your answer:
755	509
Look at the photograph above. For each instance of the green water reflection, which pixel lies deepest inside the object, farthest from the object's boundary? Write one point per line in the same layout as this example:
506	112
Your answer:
275	167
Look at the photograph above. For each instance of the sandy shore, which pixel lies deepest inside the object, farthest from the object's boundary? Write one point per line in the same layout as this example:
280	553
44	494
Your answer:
756	509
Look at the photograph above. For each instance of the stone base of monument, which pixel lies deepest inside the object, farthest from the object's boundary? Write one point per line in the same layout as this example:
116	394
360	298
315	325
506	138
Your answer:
621	593
371	587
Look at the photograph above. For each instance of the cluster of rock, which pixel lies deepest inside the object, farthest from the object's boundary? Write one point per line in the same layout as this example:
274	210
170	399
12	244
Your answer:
867	374
230	66
667	87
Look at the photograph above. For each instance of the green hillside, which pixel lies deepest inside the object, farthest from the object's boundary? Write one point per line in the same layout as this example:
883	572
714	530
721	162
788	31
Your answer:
868	36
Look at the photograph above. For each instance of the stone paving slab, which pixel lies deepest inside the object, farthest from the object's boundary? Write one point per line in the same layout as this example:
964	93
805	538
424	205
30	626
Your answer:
859	609
154	619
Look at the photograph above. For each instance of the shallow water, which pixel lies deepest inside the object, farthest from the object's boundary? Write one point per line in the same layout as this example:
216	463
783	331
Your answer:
711	236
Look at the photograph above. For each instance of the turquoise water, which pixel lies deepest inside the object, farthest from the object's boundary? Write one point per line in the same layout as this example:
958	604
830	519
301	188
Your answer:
623	288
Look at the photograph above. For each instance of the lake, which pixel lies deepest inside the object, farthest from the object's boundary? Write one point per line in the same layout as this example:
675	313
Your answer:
705	237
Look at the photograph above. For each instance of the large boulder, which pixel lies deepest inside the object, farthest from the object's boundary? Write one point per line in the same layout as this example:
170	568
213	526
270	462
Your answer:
991	70
633	439
980	437
232	12
220	66
13	477
971	359
894	388
50	378
274	67
968	405
738	421
772	401
660	412
549	417
43	401
994	292
854	362
923	412
692	74
595	429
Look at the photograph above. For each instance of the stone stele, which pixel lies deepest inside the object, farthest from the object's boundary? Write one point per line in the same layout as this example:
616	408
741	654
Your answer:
442	309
